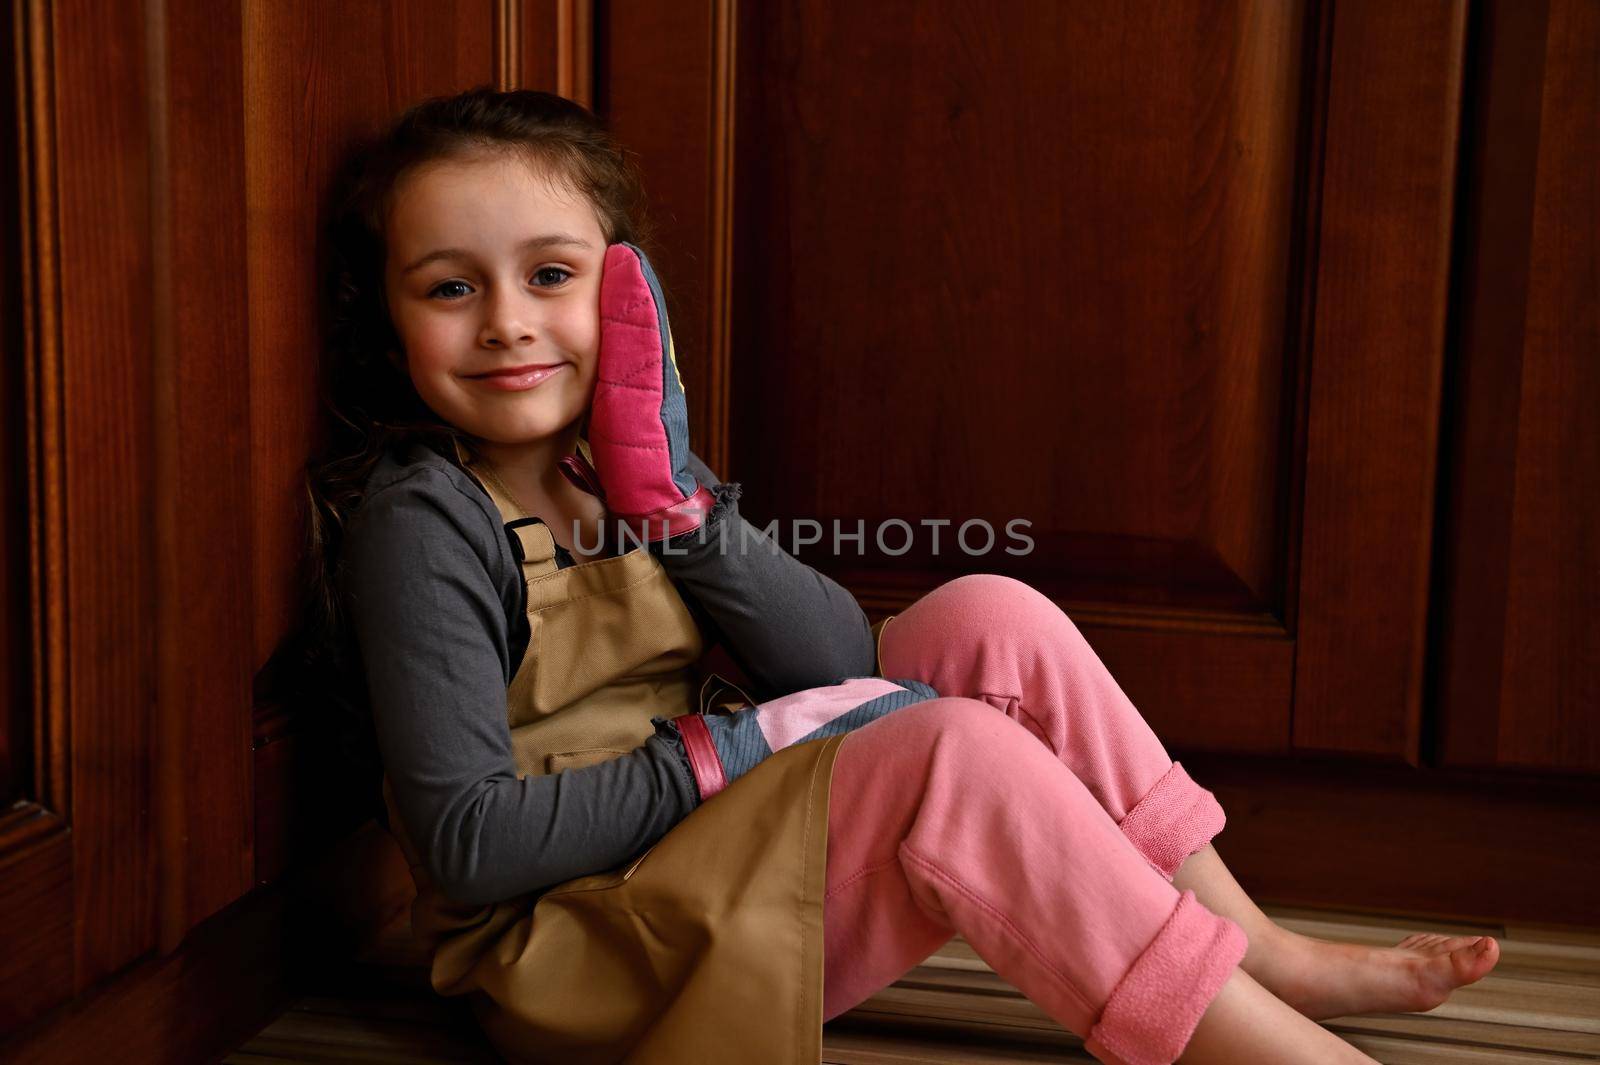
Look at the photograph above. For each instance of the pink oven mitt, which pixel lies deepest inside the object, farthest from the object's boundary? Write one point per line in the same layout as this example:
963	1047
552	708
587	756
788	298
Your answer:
721	748
638	422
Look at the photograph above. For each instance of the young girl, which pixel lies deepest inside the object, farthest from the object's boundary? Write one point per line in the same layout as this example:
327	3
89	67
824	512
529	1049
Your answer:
613	865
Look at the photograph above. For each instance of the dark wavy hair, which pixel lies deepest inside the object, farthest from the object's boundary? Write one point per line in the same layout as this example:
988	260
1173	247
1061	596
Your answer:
368	404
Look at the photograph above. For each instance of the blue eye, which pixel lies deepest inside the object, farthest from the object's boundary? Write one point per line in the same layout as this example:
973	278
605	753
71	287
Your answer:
437	289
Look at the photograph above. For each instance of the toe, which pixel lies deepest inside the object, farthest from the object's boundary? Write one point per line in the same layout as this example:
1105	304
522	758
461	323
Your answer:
1473	958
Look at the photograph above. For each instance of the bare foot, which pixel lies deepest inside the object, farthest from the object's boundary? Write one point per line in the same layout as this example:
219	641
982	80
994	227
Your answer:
1323	979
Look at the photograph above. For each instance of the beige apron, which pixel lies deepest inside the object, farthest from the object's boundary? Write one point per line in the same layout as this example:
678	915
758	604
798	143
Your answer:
706	948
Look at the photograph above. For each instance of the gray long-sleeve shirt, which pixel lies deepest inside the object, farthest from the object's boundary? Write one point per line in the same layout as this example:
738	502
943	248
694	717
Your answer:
434	592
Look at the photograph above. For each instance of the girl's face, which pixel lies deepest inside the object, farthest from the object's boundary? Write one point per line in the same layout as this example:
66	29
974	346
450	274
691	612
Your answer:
493	268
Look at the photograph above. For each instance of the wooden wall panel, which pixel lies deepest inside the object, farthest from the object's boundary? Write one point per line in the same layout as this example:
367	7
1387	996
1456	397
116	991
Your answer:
1106	354
548	45
200	749
36	924
106	402
1039	262
16	642
38	910
1376	370
1519	604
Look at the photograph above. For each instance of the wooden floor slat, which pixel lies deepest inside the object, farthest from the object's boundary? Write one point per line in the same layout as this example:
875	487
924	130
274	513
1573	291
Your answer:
1541	1006
1392	1051
1564	1045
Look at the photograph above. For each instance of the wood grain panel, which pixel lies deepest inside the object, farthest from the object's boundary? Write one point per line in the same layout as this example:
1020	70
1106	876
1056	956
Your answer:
1519	603
1015	275
38	910
16	642
104	202
1039	262
1173	673
1376	368
205	803
1551	686
36	969
549	46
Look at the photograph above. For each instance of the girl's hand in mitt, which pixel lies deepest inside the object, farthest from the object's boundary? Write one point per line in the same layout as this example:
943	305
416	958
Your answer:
638	422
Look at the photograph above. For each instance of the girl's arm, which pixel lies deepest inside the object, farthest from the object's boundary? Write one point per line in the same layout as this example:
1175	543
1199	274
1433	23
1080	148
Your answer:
430	620
788	626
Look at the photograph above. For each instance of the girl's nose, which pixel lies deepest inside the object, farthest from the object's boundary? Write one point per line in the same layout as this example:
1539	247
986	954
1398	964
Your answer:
508	322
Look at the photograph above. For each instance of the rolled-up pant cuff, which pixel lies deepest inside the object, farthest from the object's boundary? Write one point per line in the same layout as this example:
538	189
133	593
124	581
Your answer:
1156	1005
1175	818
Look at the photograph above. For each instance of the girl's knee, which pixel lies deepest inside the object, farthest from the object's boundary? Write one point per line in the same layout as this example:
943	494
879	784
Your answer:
989	604
964	747
996	591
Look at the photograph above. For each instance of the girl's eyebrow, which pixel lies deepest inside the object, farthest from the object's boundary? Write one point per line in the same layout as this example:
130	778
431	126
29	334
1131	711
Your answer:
546	240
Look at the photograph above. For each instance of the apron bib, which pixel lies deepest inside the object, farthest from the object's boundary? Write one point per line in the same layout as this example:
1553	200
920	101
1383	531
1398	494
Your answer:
707	947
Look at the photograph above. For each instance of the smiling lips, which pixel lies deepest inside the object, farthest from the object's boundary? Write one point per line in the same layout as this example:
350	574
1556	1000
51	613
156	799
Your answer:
519	378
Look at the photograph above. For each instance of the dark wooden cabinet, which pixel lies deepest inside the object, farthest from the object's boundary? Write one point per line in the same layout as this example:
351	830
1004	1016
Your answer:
1518	588
1276	321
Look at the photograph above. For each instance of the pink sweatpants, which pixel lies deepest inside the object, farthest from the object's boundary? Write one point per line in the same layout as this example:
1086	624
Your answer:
1046	834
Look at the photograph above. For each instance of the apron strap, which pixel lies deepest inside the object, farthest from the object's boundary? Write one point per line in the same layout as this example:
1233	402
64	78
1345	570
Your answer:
534	547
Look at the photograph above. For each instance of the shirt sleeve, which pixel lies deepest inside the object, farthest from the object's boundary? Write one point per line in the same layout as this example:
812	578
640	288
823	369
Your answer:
431	623
787	625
